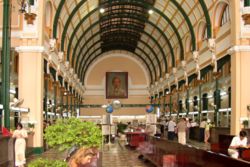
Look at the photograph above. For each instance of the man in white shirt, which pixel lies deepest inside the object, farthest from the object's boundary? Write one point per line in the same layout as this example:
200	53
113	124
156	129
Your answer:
171	129
237	143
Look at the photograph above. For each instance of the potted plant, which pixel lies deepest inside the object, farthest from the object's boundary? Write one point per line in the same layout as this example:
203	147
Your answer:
245	124
46	162
68	133
121	128
31	126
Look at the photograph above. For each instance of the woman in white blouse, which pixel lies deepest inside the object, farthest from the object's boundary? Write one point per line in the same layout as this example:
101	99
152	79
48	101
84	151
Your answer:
20	134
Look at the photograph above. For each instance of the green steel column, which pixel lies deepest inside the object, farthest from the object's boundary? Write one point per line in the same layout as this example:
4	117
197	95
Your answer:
217	98
67	105
78	104
55	99
61	102
71	104
74	106
187	102
178	105
75	103
170	104
46	98
199	115
164	103
6	42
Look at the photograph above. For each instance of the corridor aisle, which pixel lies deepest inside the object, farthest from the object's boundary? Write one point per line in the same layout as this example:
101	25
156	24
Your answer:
116	155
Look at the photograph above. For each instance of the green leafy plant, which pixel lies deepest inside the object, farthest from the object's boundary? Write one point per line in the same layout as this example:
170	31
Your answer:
121	127
245	123
31	125
66	133
47	163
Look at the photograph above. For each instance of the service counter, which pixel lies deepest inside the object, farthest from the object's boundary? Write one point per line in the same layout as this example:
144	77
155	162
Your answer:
7	149
134	138
214	133
194	133
187	156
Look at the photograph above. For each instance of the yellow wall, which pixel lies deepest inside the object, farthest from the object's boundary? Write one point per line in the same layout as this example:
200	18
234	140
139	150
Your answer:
117	62
95	87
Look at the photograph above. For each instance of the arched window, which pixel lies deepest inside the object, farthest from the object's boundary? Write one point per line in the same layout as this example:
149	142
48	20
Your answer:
169	58
177	53
225	16
202	32
188	44
48	14
59	31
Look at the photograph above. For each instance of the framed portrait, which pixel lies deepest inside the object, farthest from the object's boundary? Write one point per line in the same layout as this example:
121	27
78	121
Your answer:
116	85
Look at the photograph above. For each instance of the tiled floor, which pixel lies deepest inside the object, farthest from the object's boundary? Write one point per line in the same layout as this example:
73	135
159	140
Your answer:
116	155
113	155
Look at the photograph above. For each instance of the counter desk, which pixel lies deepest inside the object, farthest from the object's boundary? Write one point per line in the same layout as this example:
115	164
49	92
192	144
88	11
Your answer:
135	138
165	151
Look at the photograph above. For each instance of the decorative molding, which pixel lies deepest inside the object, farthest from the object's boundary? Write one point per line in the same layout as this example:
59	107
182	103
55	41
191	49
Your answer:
101	92
14	34
30	49
56	60
239	48
123	105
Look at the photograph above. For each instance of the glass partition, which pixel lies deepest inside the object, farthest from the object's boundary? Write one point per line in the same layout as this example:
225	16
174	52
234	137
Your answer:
1	25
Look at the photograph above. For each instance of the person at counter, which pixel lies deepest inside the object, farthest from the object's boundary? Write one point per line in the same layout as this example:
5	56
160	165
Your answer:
171	125
150	130
238	143
202	129
207	131
181	128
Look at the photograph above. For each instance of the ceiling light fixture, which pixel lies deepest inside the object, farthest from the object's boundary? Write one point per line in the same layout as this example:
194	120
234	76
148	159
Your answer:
150	11
102	10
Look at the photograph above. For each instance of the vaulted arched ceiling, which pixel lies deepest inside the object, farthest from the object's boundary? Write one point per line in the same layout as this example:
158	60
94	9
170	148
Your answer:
127	25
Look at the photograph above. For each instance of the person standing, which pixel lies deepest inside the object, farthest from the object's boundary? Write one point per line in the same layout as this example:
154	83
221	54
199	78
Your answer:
207	131
202	130
181	128
20	144
171	125
188	128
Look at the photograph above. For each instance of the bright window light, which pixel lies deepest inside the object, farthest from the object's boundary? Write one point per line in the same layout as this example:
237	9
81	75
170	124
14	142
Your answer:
150	11
102	10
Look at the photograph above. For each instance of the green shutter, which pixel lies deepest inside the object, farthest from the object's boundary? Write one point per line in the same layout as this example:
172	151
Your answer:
247	3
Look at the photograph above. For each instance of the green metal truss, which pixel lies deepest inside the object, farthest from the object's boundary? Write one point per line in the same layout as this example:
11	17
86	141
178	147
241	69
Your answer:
83	71
144	5
84	74
120	16
92	37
